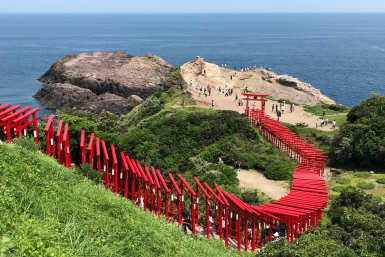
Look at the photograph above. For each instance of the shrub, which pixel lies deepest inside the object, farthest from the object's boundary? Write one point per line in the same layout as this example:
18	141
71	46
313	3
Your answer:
381	180
333	197
343	181
338	188
363	174
365	185
279	171
250	197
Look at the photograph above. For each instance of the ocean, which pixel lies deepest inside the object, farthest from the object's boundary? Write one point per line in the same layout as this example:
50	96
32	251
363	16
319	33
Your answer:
343	55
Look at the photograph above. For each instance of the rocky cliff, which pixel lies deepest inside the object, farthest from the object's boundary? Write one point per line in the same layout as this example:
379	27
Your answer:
97	82
265	82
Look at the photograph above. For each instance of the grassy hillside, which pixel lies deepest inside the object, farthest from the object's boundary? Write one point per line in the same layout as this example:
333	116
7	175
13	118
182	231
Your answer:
48	210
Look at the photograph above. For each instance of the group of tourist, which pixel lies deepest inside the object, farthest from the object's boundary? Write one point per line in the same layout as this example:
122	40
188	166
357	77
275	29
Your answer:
280	109
201	89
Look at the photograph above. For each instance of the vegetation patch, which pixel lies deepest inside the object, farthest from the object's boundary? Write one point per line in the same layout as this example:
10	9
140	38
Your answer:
343	181
338	188
330	109
381	180
49	210
365	185
363	174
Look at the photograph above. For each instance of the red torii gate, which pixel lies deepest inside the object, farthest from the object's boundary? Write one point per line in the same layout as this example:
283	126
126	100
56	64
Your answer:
254	97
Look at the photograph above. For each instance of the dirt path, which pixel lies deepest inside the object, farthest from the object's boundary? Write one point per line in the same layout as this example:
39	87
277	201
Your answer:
215	79
255	180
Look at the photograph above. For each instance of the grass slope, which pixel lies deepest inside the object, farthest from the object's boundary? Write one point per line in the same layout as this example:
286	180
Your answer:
48	210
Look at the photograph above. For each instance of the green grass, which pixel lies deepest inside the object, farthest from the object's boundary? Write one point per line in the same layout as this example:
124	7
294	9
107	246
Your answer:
48	210
338	188
363	174
381	180
344	181
377	199
377	191
365	185
330	109
340	120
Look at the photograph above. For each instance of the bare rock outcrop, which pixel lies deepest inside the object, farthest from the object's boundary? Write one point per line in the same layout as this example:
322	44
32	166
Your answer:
114	82
266	82
65	97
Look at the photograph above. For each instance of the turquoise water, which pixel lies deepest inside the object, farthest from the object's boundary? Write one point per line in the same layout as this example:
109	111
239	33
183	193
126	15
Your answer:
343	55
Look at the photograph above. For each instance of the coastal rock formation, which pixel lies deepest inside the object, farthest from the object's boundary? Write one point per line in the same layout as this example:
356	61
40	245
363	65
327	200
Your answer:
102	81
265	82
64	97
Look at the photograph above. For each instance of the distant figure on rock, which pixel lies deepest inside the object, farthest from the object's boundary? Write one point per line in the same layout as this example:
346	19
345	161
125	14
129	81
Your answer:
235	67
222	65
225	65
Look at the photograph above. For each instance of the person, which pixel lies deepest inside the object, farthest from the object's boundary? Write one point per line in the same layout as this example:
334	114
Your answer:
264	104
323	111
186	220
223	225
204	72
231	77
211	225
225	65
200	91
226	85
227	92
275	237
205	92
256	91
322	122
219	91
183	102
212	104
235	67
282	228
253	105
326	121
283	108
316	124
292	107
272	108
243	89
236	97
196	88
222	65
334	124
241	101
238	163
265	235
190	83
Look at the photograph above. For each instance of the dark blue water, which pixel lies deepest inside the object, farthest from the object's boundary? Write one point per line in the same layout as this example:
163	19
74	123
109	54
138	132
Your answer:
343	55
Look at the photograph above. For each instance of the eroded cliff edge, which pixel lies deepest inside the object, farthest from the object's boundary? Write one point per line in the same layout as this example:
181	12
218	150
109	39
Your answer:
102	81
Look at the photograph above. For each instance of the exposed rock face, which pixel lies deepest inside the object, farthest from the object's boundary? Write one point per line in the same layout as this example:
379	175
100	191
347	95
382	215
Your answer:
114	82
64	97
266	82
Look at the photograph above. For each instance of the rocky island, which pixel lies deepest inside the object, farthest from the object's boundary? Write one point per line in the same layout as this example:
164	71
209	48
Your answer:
102	81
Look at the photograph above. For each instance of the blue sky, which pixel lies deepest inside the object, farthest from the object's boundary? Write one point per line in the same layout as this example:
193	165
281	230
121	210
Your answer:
188	6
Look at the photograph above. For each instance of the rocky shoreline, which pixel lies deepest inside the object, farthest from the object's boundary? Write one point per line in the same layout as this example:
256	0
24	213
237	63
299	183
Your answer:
97	82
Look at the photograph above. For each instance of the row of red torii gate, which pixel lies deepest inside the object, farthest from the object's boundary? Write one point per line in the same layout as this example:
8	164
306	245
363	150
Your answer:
236	223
